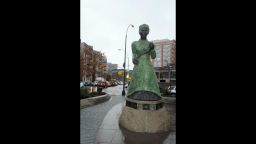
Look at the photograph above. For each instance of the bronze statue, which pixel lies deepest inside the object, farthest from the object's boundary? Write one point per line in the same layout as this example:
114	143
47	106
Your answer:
143	85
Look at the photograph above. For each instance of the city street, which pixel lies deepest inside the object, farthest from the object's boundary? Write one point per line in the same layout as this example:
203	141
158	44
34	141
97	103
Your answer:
92	119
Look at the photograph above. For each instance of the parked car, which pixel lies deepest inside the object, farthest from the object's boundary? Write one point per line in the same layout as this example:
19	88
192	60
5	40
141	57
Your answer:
98	83
81	84
172	90
101	84
113	83
95	83
108	84
90	84
86	83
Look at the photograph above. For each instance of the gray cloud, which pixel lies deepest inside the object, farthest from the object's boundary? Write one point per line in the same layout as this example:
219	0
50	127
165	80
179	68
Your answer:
104	23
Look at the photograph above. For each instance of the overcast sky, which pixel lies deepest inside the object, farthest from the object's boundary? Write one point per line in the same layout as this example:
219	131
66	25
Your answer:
104	24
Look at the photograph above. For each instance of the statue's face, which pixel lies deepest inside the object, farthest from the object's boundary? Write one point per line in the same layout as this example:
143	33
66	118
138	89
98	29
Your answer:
144	32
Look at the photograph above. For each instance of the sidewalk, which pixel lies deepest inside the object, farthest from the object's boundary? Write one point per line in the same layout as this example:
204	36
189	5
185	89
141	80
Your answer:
110	132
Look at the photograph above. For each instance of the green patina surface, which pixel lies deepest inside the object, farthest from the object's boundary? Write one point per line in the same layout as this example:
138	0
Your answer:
143	77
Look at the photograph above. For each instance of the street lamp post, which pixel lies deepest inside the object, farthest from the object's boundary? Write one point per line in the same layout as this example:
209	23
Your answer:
168	66
127	58
123	92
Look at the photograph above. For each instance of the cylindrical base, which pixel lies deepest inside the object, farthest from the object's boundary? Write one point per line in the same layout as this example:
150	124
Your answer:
147	121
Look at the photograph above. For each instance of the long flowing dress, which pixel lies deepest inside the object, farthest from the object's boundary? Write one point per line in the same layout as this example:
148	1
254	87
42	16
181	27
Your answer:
143	85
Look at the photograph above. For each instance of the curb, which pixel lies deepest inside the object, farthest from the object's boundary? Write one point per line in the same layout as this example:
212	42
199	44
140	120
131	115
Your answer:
93	101
169	100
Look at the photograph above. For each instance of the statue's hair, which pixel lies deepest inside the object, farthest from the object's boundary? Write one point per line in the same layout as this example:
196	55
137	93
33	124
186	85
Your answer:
143	26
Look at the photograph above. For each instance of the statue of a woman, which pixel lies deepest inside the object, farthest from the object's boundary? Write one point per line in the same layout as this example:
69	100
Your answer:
143	85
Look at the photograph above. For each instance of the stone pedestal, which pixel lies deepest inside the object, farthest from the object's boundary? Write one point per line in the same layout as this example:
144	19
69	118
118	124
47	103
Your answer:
145	116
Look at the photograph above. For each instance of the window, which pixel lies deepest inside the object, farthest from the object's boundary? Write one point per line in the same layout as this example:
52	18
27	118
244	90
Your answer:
173	74
166	74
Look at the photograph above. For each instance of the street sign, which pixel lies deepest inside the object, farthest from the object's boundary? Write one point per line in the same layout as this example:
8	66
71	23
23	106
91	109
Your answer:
120	72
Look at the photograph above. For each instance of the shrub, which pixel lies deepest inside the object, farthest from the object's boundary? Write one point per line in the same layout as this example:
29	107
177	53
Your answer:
163	91
84	93
97	94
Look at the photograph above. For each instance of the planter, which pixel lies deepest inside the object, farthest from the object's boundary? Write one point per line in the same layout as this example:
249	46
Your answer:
93	101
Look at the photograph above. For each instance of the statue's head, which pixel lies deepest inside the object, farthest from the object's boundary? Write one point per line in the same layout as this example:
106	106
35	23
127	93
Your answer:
143	30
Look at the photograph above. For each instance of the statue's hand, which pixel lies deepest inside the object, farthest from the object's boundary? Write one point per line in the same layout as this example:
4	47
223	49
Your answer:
135	61
151	45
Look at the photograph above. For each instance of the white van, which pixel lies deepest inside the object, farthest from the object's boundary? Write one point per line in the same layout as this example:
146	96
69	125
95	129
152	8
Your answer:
172	91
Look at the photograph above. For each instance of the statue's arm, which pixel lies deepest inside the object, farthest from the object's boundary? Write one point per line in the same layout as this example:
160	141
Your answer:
152	51
134	54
